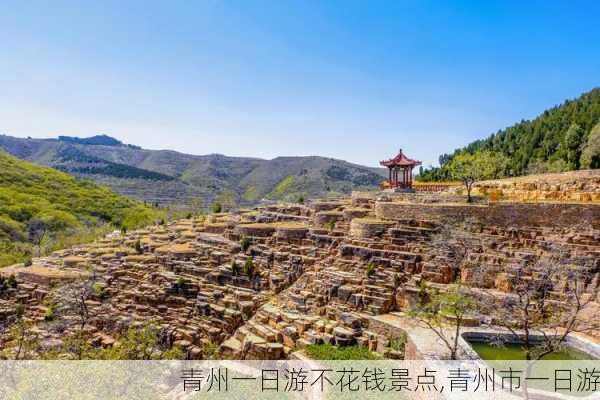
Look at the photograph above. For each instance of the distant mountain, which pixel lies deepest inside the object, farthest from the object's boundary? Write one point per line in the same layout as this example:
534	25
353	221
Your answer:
170	177
40	204
563	138
94	140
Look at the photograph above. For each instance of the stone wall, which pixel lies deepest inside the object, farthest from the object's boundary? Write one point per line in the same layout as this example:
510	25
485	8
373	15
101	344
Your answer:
552	215
572	186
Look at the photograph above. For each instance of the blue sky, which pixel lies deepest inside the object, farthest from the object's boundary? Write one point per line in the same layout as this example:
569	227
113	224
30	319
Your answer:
354	80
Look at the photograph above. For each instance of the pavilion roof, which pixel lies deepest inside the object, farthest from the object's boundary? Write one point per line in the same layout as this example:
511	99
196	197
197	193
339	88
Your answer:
400	161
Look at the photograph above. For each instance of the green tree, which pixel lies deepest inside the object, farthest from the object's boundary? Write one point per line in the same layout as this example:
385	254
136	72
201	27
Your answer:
572	145
470	168
216	207
590	156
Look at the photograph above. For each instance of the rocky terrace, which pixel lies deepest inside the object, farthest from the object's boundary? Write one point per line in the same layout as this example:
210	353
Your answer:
316	273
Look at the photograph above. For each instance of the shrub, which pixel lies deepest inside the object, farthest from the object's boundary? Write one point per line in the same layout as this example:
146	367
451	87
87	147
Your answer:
180	283
301	199
138	247
398	343
138	343
216	208
370	269
330	225
210	351
245	243
11	281
249	267
50	312
99	290
19	310
235	269
331	352
27	262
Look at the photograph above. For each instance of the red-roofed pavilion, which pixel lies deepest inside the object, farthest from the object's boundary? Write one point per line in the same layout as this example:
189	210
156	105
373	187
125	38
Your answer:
400	168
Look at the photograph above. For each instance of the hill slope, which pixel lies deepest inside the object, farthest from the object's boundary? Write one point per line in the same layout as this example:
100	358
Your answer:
552	142
169	177
39	205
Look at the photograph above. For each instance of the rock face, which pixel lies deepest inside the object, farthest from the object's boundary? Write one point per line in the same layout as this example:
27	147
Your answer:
575	186
263	282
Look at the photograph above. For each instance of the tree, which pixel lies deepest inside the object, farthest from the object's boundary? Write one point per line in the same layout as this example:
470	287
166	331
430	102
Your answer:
590	156
572	145
444	313
541	139
36	231
470	168
545	305
444	158
544	308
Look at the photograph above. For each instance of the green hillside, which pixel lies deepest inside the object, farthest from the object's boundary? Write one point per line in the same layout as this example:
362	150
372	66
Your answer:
563	138
42	209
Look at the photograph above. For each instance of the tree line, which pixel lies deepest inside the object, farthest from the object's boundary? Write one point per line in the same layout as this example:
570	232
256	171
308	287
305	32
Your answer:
563	138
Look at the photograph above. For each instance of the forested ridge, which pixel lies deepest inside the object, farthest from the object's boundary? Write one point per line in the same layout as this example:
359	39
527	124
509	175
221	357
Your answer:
563	138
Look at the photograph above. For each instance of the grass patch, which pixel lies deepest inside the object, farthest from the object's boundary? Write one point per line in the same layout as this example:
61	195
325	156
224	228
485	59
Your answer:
282	188
251	194
331	352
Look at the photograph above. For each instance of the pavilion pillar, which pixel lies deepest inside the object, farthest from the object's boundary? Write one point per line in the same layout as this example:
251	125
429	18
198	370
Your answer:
390	174
402	177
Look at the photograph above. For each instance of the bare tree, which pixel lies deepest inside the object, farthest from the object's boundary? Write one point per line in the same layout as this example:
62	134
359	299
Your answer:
544	307
36	231
444	313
